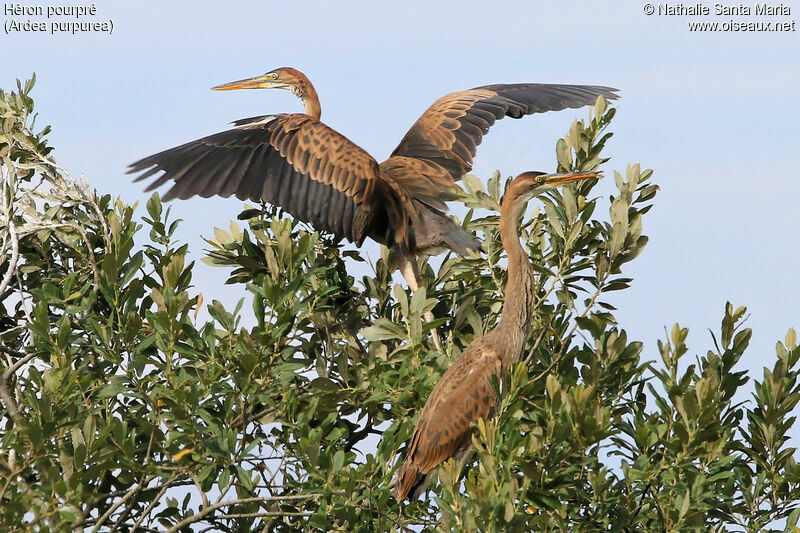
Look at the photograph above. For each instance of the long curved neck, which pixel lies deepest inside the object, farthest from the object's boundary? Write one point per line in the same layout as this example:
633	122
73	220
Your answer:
310	100
515	320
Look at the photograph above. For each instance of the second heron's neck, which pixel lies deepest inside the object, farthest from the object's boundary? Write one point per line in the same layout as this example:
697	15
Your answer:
515	320
310	100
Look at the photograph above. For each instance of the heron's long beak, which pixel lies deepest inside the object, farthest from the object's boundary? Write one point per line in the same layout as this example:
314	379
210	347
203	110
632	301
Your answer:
256	82
556	180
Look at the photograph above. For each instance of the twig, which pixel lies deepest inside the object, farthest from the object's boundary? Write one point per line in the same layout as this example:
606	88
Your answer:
10	351
208	510
245	419
5	394
658	506
155	501
199	488
24	296
12	264
264	514
133	490
538	341
641	501
117	493
547	370
129	508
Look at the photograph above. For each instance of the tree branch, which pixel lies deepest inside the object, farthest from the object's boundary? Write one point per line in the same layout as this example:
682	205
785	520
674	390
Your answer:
208	510
155	501
5	393
133	490
12	232
12	265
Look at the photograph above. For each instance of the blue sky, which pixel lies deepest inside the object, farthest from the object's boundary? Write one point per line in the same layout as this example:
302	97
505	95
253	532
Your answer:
715	114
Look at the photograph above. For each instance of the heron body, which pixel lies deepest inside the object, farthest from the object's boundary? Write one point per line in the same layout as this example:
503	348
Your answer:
295	161
465	393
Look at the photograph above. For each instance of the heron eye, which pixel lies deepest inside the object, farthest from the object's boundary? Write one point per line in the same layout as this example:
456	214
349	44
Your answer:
540	179
273	76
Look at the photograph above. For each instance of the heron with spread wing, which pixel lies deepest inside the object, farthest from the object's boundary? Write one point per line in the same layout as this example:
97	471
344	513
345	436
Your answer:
465	393
295	161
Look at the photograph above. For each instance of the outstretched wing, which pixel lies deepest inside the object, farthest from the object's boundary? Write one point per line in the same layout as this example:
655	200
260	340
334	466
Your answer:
449	132
463	394
289	160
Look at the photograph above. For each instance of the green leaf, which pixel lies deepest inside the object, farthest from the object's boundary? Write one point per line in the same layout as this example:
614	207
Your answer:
154	206
338	460
617	239
383	329
115	387
564	156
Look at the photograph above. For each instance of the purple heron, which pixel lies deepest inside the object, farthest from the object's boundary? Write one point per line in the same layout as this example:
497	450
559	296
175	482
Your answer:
465	393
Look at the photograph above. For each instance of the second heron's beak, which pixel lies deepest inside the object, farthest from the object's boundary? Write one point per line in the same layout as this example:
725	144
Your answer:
265	81
556	180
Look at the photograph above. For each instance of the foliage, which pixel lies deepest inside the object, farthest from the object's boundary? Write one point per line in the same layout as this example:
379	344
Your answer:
123	412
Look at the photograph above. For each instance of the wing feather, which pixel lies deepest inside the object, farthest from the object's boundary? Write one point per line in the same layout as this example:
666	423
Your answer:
318	199
449	132
463	394
290	160
347	219
238	171
270	188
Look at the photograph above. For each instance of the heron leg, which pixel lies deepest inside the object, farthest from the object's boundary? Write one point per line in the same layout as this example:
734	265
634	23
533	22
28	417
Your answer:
464	457
410	270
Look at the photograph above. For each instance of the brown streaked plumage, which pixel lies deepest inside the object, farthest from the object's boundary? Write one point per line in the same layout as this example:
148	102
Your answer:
465	393
295	161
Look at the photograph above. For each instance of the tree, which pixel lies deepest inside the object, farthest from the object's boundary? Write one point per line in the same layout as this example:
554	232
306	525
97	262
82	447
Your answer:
123	412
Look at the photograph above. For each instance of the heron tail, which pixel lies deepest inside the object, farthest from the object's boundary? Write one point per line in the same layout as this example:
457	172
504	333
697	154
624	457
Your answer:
409	483
440	231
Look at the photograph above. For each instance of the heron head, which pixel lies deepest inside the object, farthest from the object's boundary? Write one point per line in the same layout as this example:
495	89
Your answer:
534	183
280	78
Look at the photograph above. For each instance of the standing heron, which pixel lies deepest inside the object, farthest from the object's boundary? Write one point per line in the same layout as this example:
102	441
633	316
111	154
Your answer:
465	392
318	175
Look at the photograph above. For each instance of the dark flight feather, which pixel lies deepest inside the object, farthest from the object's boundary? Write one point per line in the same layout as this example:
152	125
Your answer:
449	132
